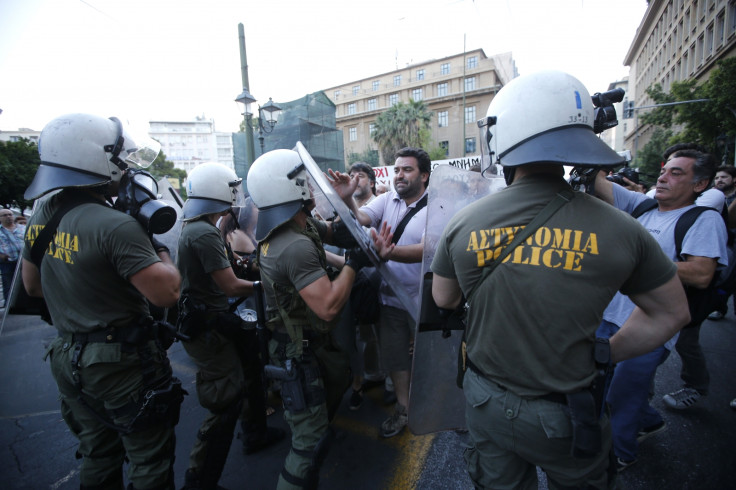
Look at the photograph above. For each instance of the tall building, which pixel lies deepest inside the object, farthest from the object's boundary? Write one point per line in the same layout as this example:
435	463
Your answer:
676	40
457	89
188	143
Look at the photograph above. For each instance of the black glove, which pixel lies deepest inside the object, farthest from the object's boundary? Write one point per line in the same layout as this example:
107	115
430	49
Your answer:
158	246
341	236
357	259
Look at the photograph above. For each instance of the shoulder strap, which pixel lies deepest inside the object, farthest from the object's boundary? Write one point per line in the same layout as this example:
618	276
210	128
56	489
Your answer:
644	206
562	198
684	223
405	220
40	245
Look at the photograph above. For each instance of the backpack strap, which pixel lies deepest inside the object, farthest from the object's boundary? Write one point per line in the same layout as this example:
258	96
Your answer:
684	223
405	220
562	198
644	206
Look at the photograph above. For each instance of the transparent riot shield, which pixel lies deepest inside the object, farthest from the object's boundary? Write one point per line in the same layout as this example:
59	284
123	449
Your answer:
435	401
329	204
171	197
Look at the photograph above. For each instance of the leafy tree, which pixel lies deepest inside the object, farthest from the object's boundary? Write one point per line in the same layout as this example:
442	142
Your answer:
19	161
700	122
402	125
368	156
161	167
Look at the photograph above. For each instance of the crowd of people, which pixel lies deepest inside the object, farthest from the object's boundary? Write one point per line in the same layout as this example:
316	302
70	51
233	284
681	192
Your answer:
272	297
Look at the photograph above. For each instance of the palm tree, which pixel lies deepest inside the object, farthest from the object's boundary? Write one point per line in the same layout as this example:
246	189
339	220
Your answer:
402	125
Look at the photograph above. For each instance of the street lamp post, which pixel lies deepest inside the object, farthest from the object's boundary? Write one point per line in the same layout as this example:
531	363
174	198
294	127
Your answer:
269	112
272	112
246	99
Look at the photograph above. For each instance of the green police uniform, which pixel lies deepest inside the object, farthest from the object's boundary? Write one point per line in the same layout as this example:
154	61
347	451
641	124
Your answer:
226	355
104	360
290	259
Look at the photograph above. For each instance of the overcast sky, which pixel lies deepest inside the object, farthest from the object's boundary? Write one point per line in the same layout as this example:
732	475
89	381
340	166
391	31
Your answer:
146	60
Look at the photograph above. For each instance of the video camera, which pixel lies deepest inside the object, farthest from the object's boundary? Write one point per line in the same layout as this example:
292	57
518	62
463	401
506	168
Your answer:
604	116
628	172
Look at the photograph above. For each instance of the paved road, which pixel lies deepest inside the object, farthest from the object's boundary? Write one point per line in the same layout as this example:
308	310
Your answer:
37	450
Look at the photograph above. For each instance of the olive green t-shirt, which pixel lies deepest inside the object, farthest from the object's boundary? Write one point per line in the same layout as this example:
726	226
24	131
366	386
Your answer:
532	322
86	271
291	259
201	252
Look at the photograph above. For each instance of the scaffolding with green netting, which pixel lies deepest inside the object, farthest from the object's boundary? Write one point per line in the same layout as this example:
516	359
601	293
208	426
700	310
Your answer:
311	120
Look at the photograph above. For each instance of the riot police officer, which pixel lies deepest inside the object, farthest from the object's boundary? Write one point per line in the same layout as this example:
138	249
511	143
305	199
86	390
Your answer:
117	393
222	345
303	305
533	397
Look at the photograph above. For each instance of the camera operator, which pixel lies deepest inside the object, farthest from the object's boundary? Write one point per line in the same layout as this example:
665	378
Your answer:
117	393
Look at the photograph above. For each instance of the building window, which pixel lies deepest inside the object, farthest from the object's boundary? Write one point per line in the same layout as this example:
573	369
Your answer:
445	145
441	89
371	104
445	69
420	74
469	84
470	115
472	62
699	52
353	134
397	80
393	99
356	89
442	119
720	29
371	128
417	94
469	145
731	18
337	94
376	85
709	40
351	108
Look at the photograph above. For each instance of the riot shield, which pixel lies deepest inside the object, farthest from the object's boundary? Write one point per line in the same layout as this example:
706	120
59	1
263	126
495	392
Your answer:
171	197
435	401
329	204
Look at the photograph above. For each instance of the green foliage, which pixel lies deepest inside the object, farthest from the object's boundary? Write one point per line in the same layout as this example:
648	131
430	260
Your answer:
649	158
161	167
700	122
437	153
19	161
402	125
368	156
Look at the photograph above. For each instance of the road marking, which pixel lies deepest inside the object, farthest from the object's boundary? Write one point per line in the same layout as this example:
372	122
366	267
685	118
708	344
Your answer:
413	451
34	414
63	480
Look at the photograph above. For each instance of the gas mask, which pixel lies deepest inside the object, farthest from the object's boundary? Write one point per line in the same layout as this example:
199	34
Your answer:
137	196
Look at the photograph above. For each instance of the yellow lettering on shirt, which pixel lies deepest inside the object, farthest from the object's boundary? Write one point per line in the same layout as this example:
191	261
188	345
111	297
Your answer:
553	248
264	249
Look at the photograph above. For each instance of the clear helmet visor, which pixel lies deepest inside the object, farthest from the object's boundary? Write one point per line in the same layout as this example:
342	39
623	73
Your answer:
238	196
139	150
489	164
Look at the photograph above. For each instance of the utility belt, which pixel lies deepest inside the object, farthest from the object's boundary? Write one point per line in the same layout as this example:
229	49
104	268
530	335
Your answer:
560	398
585	406
195	319
160	398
